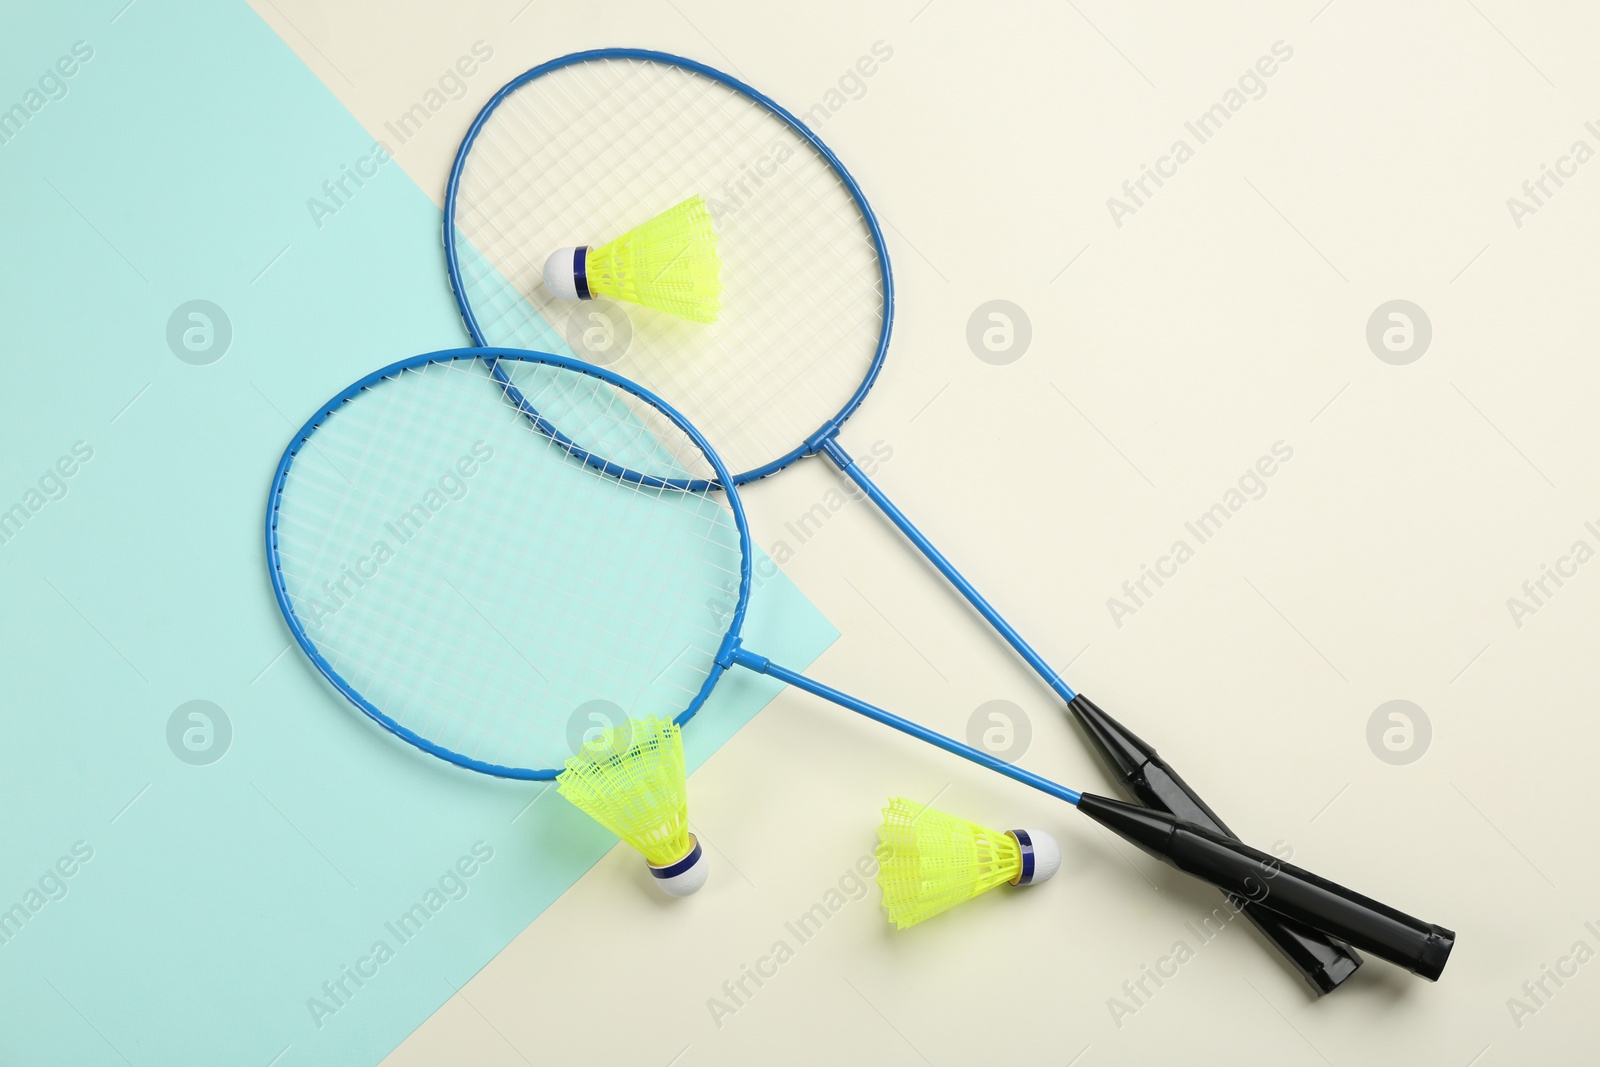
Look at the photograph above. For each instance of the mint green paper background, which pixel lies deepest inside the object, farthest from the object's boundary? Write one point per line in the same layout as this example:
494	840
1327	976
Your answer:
219	898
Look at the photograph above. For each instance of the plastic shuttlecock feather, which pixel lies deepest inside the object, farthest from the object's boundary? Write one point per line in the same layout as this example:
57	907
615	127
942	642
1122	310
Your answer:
669	263
631	780
929	861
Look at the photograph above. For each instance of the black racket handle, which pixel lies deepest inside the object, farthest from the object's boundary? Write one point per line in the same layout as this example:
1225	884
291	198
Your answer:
1322	961
1420	947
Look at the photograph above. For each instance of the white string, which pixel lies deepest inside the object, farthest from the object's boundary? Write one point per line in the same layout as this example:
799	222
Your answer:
521	591
581	154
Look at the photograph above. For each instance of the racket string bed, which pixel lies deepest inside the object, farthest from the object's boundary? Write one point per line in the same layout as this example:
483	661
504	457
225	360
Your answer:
642	178
453	597
537	176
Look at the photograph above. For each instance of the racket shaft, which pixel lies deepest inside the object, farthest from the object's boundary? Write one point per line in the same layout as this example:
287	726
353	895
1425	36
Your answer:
1323	963
1418	946
761	665
842	459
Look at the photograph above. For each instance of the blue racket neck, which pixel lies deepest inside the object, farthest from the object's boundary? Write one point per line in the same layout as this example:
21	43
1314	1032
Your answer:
829	446
737	655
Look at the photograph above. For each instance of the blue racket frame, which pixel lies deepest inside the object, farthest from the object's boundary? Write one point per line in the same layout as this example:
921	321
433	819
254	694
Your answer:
492	356
811	445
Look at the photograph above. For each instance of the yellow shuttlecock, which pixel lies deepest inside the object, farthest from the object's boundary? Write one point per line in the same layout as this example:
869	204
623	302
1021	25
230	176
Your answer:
929	861
631	780
669	263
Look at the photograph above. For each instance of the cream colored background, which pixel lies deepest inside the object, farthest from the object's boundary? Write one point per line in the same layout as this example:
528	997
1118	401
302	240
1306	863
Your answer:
1227	314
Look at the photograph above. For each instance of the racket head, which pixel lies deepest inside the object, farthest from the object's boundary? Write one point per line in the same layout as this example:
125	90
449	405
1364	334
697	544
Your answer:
583	147
498	682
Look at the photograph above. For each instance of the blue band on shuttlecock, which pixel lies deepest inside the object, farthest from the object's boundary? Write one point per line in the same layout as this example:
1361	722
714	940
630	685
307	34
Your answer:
673	870
580	271
1026	844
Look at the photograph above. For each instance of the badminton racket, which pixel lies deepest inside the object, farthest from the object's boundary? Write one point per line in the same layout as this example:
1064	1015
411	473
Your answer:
589	145
468	571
